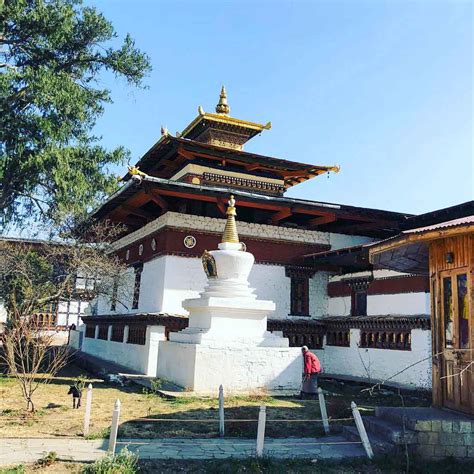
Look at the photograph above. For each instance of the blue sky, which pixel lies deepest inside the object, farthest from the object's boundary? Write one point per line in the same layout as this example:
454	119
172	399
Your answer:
382	88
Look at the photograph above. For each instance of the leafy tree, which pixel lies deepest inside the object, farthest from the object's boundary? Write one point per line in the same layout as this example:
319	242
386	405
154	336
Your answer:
51	55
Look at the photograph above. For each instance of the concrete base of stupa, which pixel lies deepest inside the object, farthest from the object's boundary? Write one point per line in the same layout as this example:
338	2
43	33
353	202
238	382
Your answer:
239	368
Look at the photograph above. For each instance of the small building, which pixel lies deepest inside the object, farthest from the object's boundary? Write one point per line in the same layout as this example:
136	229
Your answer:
443	251
62	313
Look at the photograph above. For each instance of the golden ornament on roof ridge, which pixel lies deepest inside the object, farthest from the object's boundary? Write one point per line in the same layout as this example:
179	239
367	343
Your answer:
223	107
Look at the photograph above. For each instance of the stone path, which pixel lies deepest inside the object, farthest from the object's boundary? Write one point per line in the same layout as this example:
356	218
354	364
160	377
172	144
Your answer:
15	450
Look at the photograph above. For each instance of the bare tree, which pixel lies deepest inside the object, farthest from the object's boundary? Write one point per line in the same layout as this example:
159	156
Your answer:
34	275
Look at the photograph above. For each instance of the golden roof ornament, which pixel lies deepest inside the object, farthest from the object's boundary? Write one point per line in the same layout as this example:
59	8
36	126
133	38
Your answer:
230	232
222	107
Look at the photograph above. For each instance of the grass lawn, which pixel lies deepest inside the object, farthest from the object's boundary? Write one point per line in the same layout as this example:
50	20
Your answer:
55	416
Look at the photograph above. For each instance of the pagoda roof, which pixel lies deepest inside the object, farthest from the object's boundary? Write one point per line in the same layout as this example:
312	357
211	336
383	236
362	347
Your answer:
144	199
206	119
170	154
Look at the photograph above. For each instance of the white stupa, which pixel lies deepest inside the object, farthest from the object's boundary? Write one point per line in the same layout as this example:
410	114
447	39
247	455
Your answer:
227	341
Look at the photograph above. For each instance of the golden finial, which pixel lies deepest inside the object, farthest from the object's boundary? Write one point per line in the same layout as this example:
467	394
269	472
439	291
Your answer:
223	107
230	232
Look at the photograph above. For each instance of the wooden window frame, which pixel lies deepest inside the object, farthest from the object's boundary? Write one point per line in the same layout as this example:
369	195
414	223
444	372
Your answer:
295	300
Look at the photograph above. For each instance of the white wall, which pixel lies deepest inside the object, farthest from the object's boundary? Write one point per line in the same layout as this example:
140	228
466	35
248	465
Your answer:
400	303
339	306
379	364
271	284
184	278
139	358
202	368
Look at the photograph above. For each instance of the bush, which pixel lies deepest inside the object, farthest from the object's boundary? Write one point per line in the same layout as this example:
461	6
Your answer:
124	462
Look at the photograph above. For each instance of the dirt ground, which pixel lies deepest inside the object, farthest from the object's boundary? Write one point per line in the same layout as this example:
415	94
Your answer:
55	416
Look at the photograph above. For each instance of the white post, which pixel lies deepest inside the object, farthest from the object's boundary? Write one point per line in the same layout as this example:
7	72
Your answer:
324	413
114	427
362	433
87	414
221	411
262	416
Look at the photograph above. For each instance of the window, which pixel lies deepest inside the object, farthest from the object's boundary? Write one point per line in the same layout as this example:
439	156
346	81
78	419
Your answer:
300	296
359	287
136	287
399	340
117	332
137	335
359	303
103	331
338	338
90	330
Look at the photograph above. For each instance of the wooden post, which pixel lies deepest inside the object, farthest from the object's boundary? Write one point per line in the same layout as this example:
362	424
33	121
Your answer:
114	427
361	429
87	414
221	411
324	413
262	416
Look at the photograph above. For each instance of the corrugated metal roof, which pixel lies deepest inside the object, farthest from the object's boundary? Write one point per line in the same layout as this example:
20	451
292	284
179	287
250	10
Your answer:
442	225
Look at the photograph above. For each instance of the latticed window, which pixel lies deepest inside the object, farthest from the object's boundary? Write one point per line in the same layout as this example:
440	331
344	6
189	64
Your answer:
338	338
137	335
117	332
300	296
103	331
90	330
394	340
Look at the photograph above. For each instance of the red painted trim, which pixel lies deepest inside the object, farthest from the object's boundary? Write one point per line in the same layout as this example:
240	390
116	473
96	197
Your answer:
169	241
384	286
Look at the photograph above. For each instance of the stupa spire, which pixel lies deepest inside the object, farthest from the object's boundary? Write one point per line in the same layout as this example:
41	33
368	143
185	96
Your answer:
230	232
222	107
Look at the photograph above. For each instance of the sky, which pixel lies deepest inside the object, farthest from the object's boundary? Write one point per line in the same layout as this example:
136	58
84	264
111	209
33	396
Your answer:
382	88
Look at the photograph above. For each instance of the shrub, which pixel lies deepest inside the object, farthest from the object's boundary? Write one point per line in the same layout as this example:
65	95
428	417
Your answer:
125	462
47	459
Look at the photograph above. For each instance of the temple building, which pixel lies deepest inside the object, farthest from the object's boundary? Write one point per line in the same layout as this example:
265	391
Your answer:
311	258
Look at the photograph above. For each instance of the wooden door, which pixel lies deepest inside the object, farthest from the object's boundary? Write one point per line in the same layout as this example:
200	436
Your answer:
456	340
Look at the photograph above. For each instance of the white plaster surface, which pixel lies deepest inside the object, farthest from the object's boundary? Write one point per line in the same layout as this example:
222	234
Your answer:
398	304
239	369
74	338
141	358
380	364
339	306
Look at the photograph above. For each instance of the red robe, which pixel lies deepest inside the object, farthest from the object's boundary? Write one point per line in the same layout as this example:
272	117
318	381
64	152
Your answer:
311	364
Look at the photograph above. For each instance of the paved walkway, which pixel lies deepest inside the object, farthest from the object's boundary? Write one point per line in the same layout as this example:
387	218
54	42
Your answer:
16	450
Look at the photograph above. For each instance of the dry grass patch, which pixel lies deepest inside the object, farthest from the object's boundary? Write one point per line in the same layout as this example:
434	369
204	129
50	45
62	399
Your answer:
55	416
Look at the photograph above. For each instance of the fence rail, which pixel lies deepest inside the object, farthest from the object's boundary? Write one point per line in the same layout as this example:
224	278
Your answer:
261	426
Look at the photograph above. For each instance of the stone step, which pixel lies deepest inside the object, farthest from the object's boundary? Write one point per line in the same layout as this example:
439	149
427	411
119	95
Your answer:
379	446
389	431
